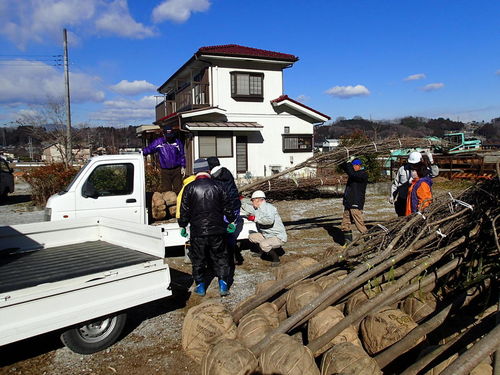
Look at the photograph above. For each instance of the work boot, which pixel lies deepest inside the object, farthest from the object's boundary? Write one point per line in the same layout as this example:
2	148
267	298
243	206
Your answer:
223	288
275	258
200	289
347	237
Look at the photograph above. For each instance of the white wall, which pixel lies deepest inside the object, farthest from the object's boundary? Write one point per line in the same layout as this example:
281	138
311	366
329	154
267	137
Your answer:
265	145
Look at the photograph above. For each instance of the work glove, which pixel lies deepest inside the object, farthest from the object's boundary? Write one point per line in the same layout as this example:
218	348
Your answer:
251	217
183	171
231	228
184	232
391	199
429	156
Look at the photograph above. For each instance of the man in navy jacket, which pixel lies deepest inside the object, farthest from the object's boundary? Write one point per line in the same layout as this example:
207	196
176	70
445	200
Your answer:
354	198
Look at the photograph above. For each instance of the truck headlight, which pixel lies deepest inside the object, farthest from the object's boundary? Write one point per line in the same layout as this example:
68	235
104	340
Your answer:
48	214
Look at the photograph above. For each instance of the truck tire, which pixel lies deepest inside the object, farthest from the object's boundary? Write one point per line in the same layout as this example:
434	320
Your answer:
94	336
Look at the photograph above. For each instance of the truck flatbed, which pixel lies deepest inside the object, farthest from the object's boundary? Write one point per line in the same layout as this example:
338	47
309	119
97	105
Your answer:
30	268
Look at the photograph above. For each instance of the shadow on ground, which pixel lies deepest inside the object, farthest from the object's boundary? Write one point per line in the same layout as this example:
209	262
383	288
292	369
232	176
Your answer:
16	199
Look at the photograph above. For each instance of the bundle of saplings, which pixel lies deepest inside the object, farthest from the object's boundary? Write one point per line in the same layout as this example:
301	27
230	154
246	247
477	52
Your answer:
418	294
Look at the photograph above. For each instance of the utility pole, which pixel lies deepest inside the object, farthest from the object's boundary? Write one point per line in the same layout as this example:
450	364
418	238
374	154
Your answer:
69	146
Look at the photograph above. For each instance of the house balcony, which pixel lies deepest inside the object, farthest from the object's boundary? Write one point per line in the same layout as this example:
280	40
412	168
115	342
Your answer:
193	96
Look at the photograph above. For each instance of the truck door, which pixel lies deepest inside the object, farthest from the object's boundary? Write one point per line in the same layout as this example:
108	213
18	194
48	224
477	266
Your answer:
109	191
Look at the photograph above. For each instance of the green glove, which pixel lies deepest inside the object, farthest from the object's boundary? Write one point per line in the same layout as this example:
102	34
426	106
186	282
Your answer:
231	228
184	232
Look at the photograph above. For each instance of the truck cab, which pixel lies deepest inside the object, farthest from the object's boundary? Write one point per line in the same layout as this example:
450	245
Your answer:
114	186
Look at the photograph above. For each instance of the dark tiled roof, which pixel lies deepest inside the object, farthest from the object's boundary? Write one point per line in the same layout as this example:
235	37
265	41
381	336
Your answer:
286	97
224	125
242	51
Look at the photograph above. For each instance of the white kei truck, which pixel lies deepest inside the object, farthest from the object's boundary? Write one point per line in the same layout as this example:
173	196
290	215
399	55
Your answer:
95	258
78	276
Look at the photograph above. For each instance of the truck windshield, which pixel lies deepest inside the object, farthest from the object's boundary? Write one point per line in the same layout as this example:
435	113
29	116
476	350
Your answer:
67	188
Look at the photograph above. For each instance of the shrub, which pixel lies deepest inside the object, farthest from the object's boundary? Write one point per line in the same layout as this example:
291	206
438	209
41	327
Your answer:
47	180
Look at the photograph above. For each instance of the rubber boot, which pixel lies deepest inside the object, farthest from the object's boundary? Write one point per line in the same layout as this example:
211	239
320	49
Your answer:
347	237
223	288
200	289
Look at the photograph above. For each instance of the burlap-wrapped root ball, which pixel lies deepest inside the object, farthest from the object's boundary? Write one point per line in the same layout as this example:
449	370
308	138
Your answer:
158	206
301	294
286	356
253	327
348	359
270	310
263	286
170	198
291	268
204	326
381	330
419	307
325	320
327	281
228	357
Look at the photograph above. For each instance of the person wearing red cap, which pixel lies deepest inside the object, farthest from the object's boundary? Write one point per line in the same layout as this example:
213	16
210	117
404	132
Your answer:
172	159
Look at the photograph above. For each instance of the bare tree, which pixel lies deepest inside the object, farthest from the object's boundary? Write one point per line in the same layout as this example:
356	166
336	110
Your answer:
48	125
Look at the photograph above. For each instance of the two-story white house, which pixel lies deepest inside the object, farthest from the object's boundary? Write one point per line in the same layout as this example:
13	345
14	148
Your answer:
228	101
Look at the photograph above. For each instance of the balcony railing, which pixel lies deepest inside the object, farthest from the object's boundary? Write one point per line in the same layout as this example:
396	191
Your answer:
193	96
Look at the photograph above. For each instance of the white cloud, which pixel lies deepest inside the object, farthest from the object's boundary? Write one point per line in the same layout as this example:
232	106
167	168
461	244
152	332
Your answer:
433	86
125	87
178	10
33	82
346	92
116	20
126	111
303	98
415	77
26	21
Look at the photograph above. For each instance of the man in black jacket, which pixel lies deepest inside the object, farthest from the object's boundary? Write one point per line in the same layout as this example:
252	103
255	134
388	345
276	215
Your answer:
204	205
354	198
225	179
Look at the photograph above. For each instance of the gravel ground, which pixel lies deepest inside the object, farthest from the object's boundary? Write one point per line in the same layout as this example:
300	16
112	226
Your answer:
152	342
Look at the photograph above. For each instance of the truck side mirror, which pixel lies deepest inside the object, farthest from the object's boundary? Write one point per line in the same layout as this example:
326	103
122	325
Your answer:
89	191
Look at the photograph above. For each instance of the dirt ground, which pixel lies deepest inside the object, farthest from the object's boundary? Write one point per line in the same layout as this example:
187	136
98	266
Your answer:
152	341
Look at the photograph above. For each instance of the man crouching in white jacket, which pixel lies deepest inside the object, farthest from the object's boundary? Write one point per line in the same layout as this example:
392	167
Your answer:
271	233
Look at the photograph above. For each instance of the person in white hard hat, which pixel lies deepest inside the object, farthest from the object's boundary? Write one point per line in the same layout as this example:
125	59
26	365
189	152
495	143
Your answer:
400	185
271	233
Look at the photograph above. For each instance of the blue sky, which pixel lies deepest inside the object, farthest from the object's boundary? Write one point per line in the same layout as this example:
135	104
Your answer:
370	58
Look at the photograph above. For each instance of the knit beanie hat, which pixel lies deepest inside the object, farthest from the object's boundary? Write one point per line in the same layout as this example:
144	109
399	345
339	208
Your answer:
201	165
213	161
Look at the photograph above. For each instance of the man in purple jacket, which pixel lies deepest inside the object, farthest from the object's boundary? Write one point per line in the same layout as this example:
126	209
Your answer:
172	159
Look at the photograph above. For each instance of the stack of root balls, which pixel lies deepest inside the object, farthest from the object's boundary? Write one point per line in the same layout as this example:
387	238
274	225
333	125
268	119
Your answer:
417	295
164	205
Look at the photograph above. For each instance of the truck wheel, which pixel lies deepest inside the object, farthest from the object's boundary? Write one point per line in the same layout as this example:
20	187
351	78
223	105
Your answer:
94	336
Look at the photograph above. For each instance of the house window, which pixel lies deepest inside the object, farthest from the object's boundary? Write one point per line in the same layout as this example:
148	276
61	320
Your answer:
216	145
247	85
297	142
286	130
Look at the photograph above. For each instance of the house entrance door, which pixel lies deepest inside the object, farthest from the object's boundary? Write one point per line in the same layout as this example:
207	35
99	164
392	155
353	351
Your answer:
241	154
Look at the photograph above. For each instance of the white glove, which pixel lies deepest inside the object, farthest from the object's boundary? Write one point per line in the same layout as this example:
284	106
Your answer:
391	199
183	171
429	156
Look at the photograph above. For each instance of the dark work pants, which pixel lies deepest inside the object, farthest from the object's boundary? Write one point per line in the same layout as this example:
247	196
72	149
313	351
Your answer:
400	206
171	179
209	249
